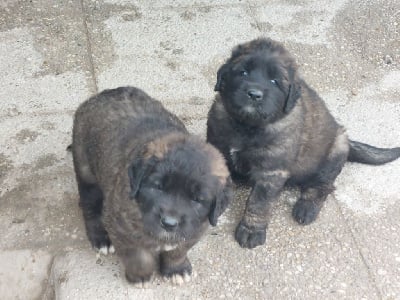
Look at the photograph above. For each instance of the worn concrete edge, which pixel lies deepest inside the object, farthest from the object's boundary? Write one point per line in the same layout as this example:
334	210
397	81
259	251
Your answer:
49	291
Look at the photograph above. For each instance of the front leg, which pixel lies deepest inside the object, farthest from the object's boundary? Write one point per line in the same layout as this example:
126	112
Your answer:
175	264
266	188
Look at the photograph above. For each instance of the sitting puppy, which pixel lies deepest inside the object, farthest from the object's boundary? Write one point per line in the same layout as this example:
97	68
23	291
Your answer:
273	129
145	184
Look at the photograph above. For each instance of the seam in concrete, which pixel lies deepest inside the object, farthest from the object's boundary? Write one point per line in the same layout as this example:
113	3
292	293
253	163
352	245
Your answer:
4	117
89	48
48	292
196	6
363	259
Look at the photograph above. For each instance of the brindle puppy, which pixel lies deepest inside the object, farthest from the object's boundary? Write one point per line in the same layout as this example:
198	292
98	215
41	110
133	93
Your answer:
145	184
273	129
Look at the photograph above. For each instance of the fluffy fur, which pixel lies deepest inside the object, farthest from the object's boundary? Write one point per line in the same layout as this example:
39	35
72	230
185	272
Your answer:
145	184
273	130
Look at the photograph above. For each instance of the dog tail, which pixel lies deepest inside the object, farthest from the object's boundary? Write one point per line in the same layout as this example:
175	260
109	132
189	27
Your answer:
370	155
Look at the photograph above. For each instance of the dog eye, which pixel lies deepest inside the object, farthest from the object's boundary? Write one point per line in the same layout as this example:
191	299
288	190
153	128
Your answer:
273	81
157	185
244	73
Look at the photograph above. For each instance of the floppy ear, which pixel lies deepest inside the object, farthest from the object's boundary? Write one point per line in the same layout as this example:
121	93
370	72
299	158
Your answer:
293	94
294	91
137	171
220	77
221	202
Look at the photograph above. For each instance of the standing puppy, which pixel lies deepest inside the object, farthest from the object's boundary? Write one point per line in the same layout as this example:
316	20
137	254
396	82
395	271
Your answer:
273	129
145	184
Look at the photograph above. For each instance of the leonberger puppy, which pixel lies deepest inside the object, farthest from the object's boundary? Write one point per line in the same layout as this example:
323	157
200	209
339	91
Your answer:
273	129
147	188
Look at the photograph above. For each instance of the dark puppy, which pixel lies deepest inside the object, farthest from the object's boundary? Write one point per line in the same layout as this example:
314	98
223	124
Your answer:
273	129
145	184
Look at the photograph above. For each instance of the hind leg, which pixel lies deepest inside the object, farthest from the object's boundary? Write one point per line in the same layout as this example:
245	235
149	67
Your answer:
315	191
91	202
307	208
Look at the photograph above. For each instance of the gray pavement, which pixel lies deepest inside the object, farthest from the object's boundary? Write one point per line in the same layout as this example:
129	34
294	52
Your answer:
54	54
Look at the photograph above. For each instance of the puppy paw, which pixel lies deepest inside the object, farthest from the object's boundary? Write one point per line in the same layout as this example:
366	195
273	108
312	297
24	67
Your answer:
249	237
305	212
98	237
102	244
138	280
178	274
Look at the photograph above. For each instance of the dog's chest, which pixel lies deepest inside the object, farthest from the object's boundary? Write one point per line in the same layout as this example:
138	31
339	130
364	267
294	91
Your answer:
242	143
243	152
259	149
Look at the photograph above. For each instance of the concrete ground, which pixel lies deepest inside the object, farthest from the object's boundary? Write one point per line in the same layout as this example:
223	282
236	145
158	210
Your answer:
54	54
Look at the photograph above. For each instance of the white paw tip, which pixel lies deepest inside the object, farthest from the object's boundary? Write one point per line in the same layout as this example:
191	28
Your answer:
103	250
169	247
178	279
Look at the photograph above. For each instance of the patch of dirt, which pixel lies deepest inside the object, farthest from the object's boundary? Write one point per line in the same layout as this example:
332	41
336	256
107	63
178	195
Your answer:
26	136
48	125
42	211
63	277
59	33
172	65
188	15
6	165
102	43
371	31
45	161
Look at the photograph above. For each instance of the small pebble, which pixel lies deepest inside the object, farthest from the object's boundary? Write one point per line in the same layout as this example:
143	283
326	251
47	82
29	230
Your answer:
388	59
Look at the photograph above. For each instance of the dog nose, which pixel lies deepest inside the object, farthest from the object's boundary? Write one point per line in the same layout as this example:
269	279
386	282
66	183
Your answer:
255	94
169	223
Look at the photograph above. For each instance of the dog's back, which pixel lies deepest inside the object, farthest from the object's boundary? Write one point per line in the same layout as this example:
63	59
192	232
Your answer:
146	186
116	117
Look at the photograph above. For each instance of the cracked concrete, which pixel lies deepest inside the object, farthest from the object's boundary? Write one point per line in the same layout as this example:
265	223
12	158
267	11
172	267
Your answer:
53	55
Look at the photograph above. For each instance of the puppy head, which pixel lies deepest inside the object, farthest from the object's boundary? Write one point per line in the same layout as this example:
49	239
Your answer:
259	82
179	184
